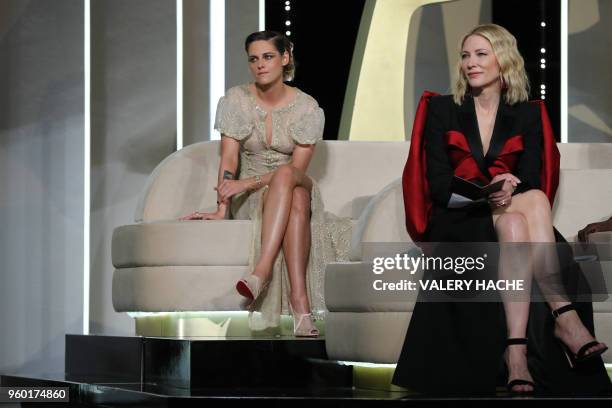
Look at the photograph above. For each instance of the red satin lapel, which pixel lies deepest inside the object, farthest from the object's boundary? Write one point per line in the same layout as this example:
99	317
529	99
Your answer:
417	200
508	156
463	162
513	144
458	140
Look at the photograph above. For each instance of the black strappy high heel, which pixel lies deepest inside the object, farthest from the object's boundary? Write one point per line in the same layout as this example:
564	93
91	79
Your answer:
581	356
519	381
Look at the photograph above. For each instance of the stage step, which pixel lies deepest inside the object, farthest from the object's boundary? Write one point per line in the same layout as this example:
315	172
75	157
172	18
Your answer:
203	362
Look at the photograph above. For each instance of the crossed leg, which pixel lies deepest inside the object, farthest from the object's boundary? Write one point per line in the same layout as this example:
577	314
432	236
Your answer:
286	222
528	218
296	248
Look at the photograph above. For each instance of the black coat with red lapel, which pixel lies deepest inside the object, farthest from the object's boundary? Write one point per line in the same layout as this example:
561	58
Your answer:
446	141
457	347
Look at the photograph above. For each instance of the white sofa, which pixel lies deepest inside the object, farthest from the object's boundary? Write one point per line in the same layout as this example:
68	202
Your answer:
165	265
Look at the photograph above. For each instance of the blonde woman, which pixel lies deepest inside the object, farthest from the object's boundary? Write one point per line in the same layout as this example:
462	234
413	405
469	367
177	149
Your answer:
268	135
486	131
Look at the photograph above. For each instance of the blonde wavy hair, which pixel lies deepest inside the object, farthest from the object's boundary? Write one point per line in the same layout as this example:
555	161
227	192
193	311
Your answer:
511	65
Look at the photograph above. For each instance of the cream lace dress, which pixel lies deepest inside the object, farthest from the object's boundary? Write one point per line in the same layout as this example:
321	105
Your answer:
300	122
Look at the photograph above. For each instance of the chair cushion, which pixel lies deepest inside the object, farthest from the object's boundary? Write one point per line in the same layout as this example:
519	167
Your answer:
603	332
357	336
582	198
375	337
177	288
381	221
601	237
161	243
602	302
182	243
349	288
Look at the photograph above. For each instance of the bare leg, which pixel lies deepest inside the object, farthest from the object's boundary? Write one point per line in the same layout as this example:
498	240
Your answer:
512	228
534	206
277	208
296	248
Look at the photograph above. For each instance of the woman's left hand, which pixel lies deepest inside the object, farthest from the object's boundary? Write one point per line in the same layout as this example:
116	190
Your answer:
503	197
229	188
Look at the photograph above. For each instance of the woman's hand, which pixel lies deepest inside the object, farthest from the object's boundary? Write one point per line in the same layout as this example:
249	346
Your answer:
503	197
509	177
219	215
229	188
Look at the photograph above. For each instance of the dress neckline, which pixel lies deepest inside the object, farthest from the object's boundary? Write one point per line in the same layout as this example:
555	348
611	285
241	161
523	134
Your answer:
491	128
246	88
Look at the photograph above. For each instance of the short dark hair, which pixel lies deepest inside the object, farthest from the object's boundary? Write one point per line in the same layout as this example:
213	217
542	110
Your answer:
281	43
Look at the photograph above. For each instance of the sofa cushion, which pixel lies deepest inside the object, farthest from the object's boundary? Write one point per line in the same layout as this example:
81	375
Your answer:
349	288
584	196
601	237
382	220
184	181
585	155
602	302
357	336
603	332
177	288
160	243
375	337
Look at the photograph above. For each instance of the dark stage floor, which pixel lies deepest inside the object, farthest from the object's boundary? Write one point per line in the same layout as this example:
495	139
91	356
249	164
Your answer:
107	371
97	394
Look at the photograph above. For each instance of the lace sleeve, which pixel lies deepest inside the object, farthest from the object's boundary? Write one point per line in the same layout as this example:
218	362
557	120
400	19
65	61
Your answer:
309	128
230	120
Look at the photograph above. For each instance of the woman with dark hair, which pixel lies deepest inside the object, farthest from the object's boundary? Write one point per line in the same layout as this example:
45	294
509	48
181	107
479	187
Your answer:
269	131
486	132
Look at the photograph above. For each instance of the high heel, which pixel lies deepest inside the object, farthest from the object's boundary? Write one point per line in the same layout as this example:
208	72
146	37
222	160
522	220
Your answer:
581	356
519	381
251	287
303	325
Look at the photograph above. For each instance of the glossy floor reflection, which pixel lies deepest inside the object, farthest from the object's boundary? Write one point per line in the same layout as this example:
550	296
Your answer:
133	371
109	394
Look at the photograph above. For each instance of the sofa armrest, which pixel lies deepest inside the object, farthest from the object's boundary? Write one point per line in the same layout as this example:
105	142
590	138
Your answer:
600	237
382	220
182	183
